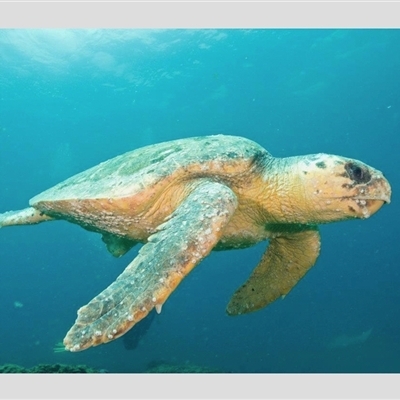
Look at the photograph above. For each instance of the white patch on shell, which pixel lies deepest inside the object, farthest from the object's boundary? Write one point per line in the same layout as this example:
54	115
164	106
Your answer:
158	308
75	347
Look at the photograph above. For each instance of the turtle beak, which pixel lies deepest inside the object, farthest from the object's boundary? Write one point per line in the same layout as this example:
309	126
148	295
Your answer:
378	188
371	196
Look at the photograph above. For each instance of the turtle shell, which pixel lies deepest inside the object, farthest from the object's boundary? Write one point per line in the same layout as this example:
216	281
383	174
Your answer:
131	194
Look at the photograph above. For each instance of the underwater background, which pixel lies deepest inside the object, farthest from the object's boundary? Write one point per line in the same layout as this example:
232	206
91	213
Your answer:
70	99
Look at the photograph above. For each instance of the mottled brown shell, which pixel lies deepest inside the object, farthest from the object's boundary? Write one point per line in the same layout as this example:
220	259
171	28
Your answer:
130	195
138	170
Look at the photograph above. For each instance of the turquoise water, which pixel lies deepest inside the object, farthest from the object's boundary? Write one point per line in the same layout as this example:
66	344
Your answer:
70	99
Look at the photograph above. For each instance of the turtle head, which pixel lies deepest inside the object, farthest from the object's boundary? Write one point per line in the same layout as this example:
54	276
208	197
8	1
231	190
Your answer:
339	188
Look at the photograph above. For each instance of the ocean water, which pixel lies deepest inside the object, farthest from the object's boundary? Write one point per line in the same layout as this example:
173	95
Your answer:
70	99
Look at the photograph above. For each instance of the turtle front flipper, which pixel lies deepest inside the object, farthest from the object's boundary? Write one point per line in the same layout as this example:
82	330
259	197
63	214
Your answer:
285	262
179	244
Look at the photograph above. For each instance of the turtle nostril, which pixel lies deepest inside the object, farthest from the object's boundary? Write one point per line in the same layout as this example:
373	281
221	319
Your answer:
357	173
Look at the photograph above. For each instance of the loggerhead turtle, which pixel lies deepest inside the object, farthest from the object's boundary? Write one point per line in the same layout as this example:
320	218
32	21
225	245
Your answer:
186	197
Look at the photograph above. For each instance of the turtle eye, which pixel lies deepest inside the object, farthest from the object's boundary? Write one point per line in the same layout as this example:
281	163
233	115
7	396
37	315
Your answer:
359	174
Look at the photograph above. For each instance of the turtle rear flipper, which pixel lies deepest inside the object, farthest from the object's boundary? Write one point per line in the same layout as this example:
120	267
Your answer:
27	216
116	245
179	244
285	262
